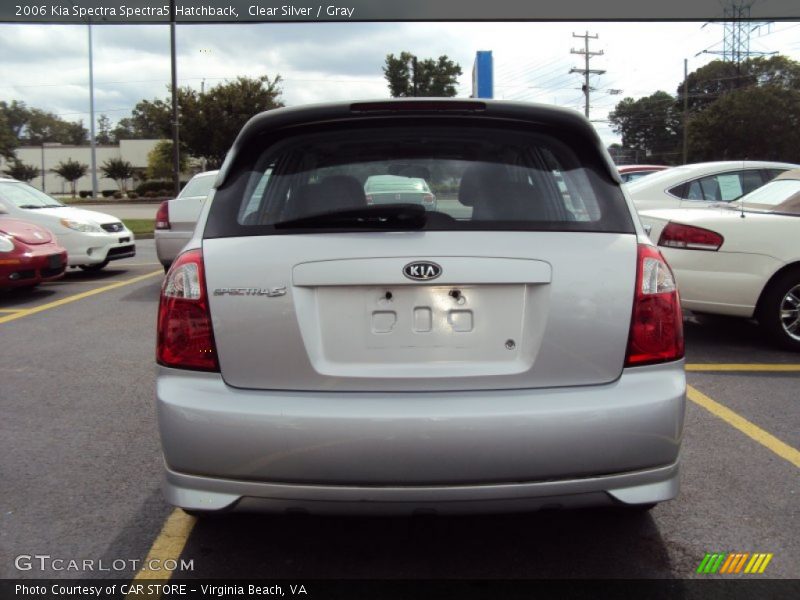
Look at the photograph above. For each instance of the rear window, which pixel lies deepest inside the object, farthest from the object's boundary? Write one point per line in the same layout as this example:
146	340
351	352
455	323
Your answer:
431	178
198	186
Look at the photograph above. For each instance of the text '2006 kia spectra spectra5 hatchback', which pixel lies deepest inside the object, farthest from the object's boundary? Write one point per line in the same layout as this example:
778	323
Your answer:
519	346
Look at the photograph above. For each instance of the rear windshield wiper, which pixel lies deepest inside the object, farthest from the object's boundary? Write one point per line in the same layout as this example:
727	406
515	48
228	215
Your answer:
32	206
386	216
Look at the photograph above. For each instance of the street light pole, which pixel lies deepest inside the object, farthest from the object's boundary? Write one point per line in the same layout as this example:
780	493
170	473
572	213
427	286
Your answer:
91	115
176	157
43	171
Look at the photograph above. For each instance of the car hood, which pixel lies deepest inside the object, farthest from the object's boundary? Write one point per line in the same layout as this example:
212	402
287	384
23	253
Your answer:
77	214
25	232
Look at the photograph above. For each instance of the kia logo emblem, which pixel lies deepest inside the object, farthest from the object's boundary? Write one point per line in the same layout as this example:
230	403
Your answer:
422	270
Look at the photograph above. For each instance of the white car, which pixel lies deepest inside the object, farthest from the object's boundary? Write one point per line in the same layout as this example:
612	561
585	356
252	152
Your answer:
175	219
91	238
740	259
698	185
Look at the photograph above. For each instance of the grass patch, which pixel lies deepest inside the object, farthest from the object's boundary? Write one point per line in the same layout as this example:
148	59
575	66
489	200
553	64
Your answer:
140	227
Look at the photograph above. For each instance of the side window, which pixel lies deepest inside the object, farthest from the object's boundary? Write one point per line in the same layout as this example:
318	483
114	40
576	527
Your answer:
772	174
752	180
723	187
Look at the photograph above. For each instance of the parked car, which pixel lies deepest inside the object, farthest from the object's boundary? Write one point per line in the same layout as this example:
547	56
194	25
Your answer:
741	258
700	184
633	172
29	254
319	353
91	238
176	218
391	189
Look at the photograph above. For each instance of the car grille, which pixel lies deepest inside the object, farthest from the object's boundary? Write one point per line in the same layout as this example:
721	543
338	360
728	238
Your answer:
113	227
121	250
51	272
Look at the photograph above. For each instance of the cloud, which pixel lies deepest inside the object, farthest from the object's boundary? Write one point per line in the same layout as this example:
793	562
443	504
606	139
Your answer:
46	66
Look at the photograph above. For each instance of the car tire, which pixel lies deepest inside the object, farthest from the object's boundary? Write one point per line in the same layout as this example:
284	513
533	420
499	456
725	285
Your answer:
93	268
166	266
779	310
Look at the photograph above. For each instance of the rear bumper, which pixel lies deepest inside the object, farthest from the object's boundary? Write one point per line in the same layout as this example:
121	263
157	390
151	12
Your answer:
449	452
169	244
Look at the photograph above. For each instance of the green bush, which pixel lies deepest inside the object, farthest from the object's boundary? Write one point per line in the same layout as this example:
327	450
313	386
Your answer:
108	193
150	194
118	195
85	193
133	195
157	185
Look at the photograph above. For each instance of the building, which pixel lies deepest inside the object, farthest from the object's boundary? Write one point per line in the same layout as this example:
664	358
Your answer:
47	156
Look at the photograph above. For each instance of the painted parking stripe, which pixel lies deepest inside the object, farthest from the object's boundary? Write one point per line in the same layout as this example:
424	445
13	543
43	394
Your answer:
751	367
167	547
751	430
12	310
106	288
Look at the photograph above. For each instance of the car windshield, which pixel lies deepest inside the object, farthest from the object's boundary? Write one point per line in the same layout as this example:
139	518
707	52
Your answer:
654	178
781	196
467	179
23	195
198	186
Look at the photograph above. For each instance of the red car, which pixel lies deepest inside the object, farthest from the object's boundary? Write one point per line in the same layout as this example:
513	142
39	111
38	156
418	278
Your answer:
29	254
632	172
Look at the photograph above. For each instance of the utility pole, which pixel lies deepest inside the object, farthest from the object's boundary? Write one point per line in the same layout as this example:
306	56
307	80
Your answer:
414	74
586	70
685	110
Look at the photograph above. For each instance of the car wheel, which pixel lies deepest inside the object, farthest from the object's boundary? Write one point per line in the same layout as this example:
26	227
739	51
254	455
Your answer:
92	268
779	311
166	266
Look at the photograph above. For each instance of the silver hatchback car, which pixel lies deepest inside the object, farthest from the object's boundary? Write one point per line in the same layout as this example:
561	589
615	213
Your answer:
518	347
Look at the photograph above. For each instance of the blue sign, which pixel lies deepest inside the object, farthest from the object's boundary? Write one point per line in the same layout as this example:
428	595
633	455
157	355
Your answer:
483	75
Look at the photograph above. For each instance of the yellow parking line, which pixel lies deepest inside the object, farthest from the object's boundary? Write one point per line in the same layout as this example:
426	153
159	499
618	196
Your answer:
754	367
12	310
75	297
751	430
167	547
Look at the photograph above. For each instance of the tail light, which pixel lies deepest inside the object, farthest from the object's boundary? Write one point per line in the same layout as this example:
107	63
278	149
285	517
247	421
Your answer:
162	216
185	336
428	198
656	333
676	235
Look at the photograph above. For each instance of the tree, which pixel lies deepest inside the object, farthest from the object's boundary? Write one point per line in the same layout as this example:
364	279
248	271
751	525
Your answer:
103	135
21	171
71	171
159	161
712	81
650	127
408	77
756	123
119	170
8	140
209	122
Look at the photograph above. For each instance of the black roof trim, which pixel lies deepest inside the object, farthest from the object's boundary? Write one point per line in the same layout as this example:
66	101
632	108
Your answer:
552	116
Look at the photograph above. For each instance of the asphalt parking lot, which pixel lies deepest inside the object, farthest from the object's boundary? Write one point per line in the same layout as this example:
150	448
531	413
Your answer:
80	466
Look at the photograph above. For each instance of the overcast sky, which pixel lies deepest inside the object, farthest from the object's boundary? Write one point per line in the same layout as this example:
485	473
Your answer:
46	66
